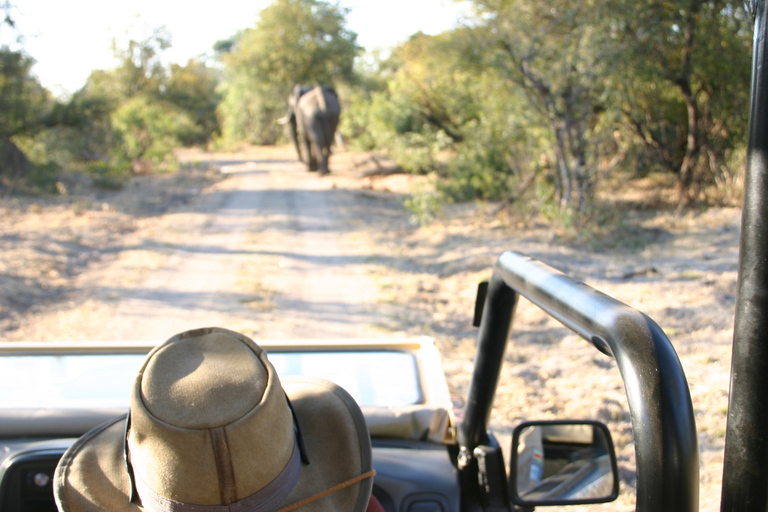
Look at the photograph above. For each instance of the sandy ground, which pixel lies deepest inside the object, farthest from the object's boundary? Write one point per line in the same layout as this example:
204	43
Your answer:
252	242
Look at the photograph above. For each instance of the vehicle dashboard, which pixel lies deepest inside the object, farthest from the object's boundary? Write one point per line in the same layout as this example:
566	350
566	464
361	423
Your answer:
50	394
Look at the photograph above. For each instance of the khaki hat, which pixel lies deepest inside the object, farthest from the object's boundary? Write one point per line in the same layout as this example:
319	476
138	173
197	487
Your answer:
211	429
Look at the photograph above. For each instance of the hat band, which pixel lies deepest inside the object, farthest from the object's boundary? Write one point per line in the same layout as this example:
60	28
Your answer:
265	499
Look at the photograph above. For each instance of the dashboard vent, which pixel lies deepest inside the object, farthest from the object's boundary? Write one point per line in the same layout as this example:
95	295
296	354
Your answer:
27	482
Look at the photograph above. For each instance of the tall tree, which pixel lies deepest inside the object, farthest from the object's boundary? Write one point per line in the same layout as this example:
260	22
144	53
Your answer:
672	71
294	41
24	105
553	51
684	82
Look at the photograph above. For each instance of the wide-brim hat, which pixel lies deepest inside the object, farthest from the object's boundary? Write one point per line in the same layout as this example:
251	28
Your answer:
211	429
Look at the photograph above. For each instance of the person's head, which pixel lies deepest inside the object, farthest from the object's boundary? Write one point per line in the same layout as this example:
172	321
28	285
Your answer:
211	429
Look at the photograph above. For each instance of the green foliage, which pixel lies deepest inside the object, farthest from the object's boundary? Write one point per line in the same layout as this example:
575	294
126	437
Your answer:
148	132
443	110
429	76
420	105
555	55
294	41
140	70
529	103
134	115
24	103
298	41
194	89
128	117
249	111
24	108
110	176
682	81
391	124
478	172
82	130
504	154
533	103
355	123
424	205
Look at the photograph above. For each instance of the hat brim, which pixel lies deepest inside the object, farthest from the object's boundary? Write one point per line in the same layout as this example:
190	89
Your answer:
91	475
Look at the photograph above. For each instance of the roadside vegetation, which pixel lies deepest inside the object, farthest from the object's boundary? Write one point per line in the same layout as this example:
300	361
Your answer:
535	107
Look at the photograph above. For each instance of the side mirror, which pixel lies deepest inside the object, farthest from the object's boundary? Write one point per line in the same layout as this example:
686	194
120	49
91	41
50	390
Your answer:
562	463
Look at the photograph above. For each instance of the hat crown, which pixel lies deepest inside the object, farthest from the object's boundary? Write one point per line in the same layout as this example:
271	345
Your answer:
210	423
204	382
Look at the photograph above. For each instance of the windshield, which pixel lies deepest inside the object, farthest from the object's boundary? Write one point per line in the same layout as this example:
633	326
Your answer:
385	378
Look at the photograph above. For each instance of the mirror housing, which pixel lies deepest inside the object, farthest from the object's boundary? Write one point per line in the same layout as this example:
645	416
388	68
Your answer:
562	463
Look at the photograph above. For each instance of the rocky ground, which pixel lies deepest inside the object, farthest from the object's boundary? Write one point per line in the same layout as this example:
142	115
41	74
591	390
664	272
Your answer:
346	259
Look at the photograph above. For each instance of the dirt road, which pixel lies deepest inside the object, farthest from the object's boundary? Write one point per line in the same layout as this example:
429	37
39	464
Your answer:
251	242
271	250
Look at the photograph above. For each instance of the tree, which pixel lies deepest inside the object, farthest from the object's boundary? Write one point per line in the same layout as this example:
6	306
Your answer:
7	19
429	73
24	105
294	41
672	74
119	116
427	102
684	82
194	89
553	52
140	70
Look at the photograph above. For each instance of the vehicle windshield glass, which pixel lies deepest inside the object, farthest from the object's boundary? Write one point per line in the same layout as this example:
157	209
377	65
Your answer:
373	378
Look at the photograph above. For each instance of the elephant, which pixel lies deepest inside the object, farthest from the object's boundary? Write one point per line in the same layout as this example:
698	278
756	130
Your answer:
313	114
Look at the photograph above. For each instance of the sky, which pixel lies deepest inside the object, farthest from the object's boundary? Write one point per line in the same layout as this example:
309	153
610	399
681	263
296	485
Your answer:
69	38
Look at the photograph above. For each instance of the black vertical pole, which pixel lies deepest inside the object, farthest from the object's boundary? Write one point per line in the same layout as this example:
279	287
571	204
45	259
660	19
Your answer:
491	344
745	473
499	308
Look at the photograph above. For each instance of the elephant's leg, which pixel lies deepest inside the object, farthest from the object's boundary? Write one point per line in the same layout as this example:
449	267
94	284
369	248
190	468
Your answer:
313	151
321	142
325	155
310	159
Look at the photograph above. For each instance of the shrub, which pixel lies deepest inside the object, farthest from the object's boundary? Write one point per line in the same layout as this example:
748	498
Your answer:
147	133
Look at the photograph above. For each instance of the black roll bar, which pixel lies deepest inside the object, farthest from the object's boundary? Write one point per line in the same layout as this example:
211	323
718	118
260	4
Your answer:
666	445
745	472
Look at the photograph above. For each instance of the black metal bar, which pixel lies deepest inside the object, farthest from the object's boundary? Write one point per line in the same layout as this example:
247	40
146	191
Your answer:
660	405
491	344
745	472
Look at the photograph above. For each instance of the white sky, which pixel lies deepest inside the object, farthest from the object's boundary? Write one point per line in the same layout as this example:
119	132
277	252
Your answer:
69	38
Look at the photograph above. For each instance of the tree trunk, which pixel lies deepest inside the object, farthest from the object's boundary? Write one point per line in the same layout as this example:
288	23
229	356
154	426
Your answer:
692	148
13	162
683	82
566	188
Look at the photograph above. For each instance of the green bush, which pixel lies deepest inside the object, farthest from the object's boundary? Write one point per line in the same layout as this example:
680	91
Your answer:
424	205
147	133
478	171
112	176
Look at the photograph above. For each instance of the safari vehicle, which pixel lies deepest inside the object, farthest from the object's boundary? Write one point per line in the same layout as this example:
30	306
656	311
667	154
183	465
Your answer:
426	460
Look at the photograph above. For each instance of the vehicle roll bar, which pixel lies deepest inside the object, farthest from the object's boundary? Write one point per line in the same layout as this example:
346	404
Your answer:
666	445
745	472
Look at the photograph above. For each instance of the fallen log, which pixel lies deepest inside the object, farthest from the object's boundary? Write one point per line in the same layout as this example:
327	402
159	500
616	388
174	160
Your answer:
380	170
